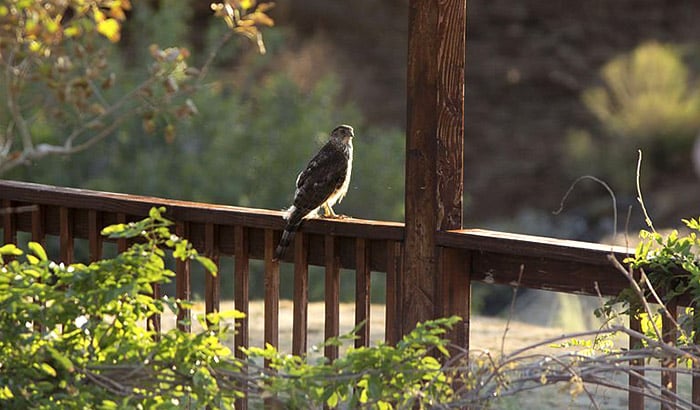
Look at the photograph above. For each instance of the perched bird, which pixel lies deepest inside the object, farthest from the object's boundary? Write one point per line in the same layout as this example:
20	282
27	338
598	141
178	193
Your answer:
322	184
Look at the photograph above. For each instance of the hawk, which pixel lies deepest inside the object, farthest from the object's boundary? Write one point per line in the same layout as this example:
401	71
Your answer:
322	184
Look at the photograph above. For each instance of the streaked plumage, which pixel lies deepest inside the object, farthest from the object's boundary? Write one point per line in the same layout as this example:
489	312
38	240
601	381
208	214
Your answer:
323	183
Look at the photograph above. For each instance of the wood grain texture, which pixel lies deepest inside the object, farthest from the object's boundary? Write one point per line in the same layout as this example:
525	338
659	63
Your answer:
434	146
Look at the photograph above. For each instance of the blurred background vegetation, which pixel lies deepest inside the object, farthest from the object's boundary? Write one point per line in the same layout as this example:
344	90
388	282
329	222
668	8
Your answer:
554	91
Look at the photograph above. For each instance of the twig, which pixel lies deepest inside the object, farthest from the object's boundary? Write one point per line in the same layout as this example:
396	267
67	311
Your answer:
639	192
512	309
637	291
602	183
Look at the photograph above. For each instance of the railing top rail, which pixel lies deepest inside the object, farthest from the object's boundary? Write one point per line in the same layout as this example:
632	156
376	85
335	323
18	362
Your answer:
498	257
197	212
530	245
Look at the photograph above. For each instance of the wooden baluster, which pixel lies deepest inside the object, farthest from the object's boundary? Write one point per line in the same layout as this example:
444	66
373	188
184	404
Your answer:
454	291
122	244
301	294
362	291
39	225
635	399
212	284
241	297
38	236
9	223
393	286
668	378
183	290
272	291
94	236
332	296
66	235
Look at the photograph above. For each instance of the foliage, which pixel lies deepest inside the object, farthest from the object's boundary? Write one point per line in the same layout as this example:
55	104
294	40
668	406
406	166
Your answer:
648	100
59	83
74	337
671	268
647	94
405	376
66	330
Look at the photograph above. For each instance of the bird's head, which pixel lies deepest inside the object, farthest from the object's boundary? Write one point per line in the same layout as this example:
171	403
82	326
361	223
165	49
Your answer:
343	133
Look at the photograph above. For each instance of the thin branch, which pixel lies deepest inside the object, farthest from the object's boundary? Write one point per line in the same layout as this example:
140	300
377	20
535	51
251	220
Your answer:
637	290
603	184
647	219
13	106
512	309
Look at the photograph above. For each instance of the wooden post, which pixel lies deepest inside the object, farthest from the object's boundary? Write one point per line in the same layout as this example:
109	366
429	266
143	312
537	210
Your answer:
434	147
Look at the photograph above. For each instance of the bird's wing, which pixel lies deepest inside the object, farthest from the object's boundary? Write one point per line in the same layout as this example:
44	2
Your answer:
323	175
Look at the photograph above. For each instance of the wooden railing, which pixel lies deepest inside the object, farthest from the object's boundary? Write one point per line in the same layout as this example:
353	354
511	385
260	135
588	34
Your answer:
464	256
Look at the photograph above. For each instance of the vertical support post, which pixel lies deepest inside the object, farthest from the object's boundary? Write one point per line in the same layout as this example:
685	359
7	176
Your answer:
434	146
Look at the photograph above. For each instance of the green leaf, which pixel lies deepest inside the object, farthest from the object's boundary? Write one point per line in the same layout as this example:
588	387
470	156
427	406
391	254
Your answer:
232	314
10	249
333	400
61	359
33	260
208	264
48	369
38	250
6	393
108	405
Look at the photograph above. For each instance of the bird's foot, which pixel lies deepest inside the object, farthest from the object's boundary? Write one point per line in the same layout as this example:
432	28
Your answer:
336	216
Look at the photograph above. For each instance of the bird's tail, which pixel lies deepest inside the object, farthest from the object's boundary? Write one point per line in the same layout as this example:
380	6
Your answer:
294	218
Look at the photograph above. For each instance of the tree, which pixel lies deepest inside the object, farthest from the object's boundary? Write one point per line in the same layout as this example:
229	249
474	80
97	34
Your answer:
58	84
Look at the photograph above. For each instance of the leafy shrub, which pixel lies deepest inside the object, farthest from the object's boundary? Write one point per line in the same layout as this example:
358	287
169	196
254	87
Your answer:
648	100
404	376
671	268
73	336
